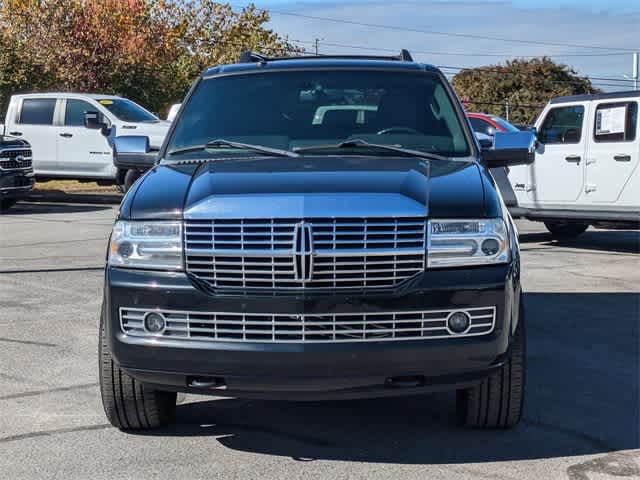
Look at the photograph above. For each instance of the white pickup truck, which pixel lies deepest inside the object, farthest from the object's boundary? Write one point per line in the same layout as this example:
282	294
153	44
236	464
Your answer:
65	145
587	168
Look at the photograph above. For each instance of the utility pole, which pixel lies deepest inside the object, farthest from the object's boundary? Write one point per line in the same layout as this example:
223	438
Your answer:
507	109
317	46
634	72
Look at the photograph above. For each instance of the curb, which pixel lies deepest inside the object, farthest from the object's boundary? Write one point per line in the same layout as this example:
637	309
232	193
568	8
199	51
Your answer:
63	197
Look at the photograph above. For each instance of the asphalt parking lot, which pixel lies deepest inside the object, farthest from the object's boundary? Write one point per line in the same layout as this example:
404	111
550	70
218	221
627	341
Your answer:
581	421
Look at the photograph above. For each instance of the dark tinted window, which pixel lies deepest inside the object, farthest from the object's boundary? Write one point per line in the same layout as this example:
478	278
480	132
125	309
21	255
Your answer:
482	126
301	108
37	111
74	113
126	110
562	125
616	122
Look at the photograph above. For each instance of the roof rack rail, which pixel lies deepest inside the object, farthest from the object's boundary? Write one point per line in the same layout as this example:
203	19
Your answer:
254	57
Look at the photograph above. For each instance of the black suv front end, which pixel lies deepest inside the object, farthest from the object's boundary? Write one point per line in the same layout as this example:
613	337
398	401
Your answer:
16	171
314	269
316	364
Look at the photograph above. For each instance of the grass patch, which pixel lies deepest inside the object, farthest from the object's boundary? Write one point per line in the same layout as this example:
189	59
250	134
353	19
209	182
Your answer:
74	186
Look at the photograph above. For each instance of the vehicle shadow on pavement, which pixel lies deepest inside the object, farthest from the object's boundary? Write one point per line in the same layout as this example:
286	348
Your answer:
621	241
29	208
582	398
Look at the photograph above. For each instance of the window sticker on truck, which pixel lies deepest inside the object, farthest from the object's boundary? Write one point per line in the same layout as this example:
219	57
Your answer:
610	120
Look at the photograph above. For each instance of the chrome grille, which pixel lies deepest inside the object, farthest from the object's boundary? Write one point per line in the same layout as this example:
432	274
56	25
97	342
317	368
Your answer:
309	328
8	159
15	153
305	253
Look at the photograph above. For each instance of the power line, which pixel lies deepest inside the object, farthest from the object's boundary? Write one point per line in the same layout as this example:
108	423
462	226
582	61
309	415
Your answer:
502	72
448	34
598	81
595	80
458	54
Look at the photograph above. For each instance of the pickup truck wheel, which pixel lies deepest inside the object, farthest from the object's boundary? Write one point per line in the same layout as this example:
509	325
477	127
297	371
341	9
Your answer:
129	404
566	229
130	178
7	203
497	401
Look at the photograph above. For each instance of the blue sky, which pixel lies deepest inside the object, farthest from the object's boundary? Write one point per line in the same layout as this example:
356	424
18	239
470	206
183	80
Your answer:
605	23
591	5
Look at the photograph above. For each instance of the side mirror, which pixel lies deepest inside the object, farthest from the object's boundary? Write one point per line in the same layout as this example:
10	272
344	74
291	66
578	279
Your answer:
133	152
512	148
92	121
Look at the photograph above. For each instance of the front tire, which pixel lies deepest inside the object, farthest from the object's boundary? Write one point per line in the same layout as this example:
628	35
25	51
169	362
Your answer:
130	178
497	401
129	404
566	230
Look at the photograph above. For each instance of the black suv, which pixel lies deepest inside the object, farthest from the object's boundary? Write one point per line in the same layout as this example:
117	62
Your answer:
16	171
316	228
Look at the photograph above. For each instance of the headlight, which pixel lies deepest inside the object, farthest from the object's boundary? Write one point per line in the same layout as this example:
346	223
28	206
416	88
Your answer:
153	245
453	243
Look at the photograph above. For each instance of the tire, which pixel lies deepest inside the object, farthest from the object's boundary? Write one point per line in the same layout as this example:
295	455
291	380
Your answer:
7	203
129	404
566	229
129	179
498	401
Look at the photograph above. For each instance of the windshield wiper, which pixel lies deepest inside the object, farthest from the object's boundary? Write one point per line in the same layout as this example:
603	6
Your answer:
222	143
359	143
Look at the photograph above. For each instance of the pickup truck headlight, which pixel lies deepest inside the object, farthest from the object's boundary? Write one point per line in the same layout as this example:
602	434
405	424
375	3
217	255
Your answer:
151	245
453	243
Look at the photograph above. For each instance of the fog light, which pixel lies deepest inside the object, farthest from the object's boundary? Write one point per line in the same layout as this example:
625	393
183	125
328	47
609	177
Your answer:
154	322
458	322
125	249
490	246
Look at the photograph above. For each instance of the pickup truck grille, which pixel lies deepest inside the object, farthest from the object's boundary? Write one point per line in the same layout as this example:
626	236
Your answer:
316	328
315	253
8	159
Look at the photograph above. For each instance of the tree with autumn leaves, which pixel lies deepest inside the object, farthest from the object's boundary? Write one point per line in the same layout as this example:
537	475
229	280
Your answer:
527	84
146	50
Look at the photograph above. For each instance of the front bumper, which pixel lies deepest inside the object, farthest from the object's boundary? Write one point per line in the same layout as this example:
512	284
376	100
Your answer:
16	184
314	370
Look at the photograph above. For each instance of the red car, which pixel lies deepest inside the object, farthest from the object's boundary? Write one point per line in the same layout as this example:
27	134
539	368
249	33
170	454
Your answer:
490	124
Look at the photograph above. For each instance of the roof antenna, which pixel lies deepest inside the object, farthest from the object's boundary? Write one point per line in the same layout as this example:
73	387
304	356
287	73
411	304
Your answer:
252	57
405	56
245	57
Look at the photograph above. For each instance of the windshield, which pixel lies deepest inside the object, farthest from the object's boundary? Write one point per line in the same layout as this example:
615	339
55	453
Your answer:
505	125
127	111
296	109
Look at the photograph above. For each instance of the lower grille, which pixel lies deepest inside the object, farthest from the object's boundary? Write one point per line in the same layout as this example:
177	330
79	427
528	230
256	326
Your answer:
308	328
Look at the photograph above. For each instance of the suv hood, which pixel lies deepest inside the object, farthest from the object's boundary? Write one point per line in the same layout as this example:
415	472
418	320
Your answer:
308	187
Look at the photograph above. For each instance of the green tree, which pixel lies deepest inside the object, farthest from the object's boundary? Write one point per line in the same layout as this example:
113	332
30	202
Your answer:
526	84
146	50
